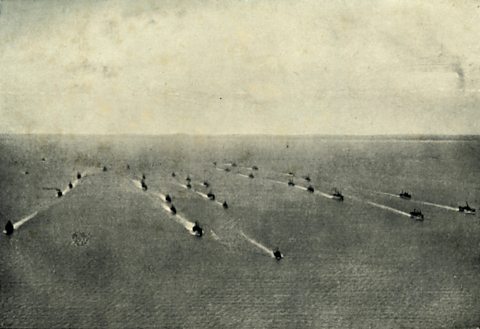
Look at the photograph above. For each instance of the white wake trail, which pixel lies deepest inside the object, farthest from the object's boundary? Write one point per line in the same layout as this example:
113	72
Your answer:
214	235
75	182
437	205
203	195
300	187
188	225
160	195
276	181
422	202
389	194
388	208
177	217
325	195
328	196
137	183
258	244
24	220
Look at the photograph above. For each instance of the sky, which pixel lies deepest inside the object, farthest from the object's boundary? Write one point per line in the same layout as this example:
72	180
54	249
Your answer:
240	67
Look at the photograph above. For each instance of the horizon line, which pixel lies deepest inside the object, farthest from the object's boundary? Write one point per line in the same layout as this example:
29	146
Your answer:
241	135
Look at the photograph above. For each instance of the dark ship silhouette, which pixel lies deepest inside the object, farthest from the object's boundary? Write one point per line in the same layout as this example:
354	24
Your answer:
189	186
173	174
225	204
70	185
277	254
337	196
59	191
211	196
251	175
227	169
417	215
307	178
173	210
254	168
168	198
9	228
104	168
405	195
206	184
79	175
197	230
310	189
144	185
188	179
143	176
234	164
290	182
466	209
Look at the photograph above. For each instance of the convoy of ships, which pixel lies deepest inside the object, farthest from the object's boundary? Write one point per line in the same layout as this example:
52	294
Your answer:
198	231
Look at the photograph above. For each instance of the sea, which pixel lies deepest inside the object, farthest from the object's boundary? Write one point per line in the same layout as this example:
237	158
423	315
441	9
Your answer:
108	253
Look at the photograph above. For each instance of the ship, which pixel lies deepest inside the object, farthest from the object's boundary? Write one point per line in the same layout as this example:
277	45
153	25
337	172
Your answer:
211	196
9	228
197	230
251	175
254	168
105	168
59	191
225	204
168	198
144	185
310	189
79	175
277	254
206	184
405	195
173	210
173	174
466	209
290	182
70	185
417	215
337	195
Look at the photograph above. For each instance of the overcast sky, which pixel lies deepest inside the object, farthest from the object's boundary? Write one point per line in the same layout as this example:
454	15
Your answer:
243	67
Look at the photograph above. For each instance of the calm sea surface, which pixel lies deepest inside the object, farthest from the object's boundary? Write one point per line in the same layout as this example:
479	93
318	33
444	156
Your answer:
107	254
